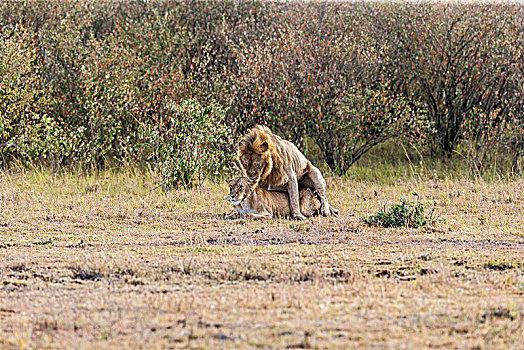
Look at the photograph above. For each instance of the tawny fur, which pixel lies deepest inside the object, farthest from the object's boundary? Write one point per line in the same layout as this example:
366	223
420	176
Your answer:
277	172
277	164
250	200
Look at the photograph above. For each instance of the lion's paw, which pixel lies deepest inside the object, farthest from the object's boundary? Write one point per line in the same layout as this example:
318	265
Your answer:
299	217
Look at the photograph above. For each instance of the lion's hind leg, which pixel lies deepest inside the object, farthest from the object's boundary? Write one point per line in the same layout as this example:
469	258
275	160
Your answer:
315	181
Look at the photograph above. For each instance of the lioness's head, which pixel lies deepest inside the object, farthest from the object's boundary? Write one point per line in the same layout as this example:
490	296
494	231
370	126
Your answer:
254	153
239	189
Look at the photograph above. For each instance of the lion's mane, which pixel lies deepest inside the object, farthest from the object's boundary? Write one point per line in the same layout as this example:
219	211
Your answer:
282	157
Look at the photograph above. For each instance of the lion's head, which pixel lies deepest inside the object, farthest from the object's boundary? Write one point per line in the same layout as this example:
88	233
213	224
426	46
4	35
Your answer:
239	189
257	155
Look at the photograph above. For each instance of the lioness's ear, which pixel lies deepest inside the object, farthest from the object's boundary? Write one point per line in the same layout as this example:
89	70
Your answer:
264	147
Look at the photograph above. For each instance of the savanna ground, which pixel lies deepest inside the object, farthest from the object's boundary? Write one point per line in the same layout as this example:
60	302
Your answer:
109	261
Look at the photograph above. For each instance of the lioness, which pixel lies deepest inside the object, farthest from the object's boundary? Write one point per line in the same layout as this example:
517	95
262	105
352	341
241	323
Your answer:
250	200
277	164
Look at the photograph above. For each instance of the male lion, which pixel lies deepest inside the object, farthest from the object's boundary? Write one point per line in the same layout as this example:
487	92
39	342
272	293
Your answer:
277	164
250	200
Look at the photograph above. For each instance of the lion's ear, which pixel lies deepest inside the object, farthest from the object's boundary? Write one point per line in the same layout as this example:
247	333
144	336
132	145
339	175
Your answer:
264	147
242	145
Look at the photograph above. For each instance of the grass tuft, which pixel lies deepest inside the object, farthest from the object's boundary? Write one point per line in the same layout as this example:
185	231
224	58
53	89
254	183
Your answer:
85	274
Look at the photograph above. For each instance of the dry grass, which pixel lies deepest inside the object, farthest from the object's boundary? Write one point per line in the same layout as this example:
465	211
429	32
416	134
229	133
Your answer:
108	262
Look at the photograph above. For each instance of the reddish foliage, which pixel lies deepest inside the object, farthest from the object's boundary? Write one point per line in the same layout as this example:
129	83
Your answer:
346	74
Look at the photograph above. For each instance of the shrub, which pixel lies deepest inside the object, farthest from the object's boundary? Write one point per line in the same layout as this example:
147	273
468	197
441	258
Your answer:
80	78
98	103
405	213
293	74
191	146
26	131
456	58
487	136
364	119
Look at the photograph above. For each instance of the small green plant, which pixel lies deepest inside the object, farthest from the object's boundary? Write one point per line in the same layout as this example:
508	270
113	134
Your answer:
521	286
299	227
405	213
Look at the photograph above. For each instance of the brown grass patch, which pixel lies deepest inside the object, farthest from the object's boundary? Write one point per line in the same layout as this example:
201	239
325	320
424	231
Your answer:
121	265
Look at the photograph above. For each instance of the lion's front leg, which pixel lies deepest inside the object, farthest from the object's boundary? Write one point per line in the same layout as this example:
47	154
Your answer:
294	201
232	215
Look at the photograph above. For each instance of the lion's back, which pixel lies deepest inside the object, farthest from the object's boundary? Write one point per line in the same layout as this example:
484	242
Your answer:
276	202
291	161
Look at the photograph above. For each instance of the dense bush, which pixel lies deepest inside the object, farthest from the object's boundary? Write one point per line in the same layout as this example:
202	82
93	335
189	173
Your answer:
364	119
464	61
191	146
26	131
89	82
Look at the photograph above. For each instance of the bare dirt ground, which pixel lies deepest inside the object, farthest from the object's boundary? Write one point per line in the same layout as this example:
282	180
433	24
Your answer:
108	262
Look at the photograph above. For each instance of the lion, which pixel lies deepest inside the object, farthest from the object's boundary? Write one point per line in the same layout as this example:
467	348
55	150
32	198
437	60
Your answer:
252	201
277	164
